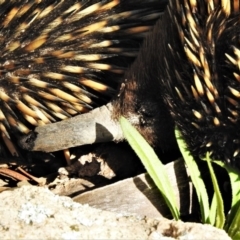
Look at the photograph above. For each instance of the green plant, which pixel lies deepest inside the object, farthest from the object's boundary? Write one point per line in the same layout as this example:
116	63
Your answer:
152	164
213	214
232	225
196	179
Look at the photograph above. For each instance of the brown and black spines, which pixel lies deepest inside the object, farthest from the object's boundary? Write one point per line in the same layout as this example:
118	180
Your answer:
187	73
60	58
200	76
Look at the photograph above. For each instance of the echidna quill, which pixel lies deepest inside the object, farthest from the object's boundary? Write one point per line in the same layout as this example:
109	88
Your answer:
60	58
200	75
187	67
194	54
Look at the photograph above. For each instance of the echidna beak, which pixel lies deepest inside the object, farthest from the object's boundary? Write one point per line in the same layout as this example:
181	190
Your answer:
93	127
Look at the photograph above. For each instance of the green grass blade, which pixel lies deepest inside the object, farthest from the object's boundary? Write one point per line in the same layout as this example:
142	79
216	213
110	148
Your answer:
233	219
213	210
234	228
196	178
220	217
152	164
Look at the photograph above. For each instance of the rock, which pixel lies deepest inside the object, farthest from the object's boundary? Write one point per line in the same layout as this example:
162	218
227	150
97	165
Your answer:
36	213
140	196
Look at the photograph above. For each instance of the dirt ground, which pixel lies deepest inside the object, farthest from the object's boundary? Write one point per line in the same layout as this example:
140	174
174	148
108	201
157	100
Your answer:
100	164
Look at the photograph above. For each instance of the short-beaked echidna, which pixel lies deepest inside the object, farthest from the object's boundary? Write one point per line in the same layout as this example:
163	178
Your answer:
193	53
60	58
200	75
191	60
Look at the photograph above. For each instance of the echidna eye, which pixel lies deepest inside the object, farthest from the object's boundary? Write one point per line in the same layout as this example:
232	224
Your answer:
147	114
148	109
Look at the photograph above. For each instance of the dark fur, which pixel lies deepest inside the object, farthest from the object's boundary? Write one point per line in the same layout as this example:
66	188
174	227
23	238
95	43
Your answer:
140	98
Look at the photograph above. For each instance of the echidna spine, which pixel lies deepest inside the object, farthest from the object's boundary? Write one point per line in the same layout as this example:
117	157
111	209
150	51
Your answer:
200	75
61	58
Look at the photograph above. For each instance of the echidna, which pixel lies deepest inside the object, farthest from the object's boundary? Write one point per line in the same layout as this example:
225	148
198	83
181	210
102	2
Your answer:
187	67
194	54
200	75
60	58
